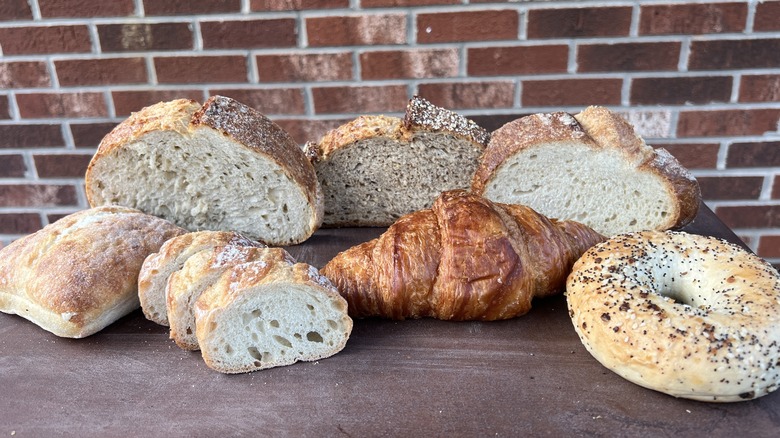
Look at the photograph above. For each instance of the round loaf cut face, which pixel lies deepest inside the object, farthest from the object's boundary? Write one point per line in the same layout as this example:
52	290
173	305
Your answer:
211	175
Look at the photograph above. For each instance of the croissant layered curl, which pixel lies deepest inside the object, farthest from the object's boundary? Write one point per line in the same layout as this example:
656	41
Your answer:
466	258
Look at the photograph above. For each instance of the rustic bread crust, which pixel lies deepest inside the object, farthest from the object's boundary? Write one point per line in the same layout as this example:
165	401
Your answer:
78	275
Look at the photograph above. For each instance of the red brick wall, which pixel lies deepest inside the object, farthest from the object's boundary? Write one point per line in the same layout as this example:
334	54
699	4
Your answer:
699	78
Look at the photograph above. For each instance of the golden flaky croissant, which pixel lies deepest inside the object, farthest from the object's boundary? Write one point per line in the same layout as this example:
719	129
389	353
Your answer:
466	258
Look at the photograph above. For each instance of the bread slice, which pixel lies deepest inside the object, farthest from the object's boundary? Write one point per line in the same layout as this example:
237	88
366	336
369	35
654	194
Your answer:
592	168
222	166
375	169
270	312
158	267
199	272
76	276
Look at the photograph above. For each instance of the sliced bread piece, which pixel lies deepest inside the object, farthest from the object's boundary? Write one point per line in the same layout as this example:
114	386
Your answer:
592	168
376	169
159	266
222	166
79	274
270	312
199	272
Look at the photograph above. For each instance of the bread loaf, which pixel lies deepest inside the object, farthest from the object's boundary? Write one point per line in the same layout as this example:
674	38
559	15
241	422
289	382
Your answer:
270	312
78	275
592	168
465	259
220	166
375	169
199	272
153	278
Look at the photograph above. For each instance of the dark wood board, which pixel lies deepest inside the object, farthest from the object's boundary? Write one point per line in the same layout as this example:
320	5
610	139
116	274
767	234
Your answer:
526	376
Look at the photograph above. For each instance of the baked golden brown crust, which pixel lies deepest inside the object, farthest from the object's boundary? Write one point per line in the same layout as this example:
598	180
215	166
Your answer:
362	127
465	259
78	275
691	316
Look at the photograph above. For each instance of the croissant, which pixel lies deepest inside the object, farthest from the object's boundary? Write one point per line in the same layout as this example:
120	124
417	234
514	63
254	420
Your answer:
466	258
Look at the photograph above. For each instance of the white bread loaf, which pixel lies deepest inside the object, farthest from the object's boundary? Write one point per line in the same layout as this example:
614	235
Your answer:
592	168
78	275
222	166
199	272
158	267
270	312
376	169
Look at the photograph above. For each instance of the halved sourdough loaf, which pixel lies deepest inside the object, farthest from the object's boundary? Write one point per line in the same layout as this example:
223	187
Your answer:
270	312
592	168
79	274
158	267
375	169
199	272
220	166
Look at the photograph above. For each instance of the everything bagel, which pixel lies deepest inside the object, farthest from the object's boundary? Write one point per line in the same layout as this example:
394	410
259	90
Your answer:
687	315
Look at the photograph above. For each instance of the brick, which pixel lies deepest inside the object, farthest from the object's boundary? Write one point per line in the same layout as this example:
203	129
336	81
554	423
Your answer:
730	188
61	105
297	5
495	121
12	166
572	92
201	69
579	22
457	95
359	99
303	130
769	246
144	36
268	101
42	40
658	56
766	16
5	112
105	71
754	154
680	90
694	155
405	3
126	102
445	27
692	19
61	165
492	61
19	223
30	136
15	10
37	195
176	7
356	30
759	88
776	187
734	54
727	122
749	216
305	67
24	74
86	8
247	34
409	64
88	135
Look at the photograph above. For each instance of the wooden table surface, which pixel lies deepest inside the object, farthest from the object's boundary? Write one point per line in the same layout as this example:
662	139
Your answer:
526	376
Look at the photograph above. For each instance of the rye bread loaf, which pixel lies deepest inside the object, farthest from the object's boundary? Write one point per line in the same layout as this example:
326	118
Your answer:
220	166
592	168
158	267
376	169
270	312
78	275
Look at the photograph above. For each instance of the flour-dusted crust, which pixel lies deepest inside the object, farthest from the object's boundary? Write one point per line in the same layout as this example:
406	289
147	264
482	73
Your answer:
153	278
362	128
688	315
78	275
